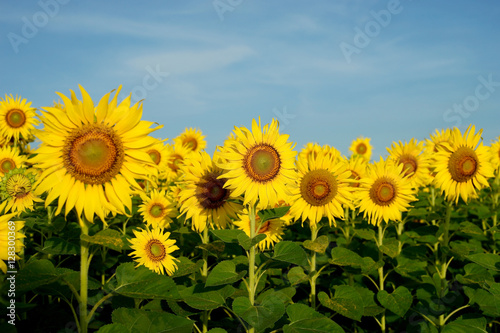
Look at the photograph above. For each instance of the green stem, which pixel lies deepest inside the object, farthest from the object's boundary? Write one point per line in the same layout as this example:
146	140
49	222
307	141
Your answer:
381	277
312	268
204	274
251	260
444	263
84	270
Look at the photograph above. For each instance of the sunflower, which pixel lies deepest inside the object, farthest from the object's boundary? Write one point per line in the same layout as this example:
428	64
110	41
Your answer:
158	153
204	198
91	156
415	163
10	241
10	159
495	154
16	191
321	189
463	165
385	192
17	118
273	229
362	147
437	140
157	209
153	248
358	167
176	159
192	139
258	163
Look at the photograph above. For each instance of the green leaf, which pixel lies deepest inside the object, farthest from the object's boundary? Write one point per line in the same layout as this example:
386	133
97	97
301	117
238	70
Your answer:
391	247
367	234
223	273
398	302
371	309
202	298
296	275
475	274
142	283
274	213
247	243
186	267
370	265
291	252
110	238
410	268
34	274
477	325
346	301
304	319
137	320
217	330
488	260
113	328
470	229
345	257
488	300
215	248
319	245
260	316
228	235
59	246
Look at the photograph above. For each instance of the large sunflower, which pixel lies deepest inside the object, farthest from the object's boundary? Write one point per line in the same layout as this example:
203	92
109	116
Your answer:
192	139
273	229
153	248
258	163
91	156
385	192
322	187
157	209
10	241
463	165
17	118
10	159
415	162
204	198
361	147
16	191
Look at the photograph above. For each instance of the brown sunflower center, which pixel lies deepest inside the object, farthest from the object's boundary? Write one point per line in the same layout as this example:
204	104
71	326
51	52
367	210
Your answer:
463	164
191	143
210	191
93	154
318	187
156	210
262	163
355	176
7	164
409	164
175	162
15	118
383	191
361	148
155	156
18	186
155	250
264	227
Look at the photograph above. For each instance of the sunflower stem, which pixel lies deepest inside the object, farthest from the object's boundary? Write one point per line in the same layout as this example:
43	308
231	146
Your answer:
444	263
381	277
84	269
312	268
204	274
251	261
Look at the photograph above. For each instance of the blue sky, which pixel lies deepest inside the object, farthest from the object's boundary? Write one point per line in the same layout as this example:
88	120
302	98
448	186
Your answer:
330	71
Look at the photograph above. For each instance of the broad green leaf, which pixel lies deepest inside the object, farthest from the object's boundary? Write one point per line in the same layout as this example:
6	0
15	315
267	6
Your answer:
113	328
186	267
345	257
59	246
223	273
202	298
228	235
304	319
466	326
399	301
488	300
260	316
346	301
109	238
367	234
371	309
296	275
34	274
137	320
247	242
274	213
215	248
319	245
217	330
470	229
475	273
488	260
410	268
290	252
390	247
370	265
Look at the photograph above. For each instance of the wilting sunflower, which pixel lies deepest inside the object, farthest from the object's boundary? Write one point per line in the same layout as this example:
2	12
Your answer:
10	241
258	163
463	165
495	154
157	209
153	248
10	159
204	198
362	147
192	139
16	191
17	118
91	156
415	162
321	188
273	229
385	192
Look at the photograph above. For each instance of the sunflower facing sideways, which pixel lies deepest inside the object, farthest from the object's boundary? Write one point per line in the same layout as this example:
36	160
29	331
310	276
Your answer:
157	209
17	118
153	248
258	163
16	191
463	165
273	229
415	163
495	154
91	156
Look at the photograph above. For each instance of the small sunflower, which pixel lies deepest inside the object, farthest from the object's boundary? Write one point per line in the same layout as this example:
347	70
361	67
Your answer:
273	229
495	154
192	139
11	240
362	147
436	140
204	198
463	165
321	188
157	209
16	191
153	248
358	167
10	159
159	155
415	162
258	163
385	192
177	157
17	118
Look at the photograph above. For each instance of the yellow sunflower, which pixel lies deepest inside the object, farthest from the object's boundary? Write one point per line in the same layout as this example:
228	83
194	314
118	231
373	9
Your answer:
17	118
463	165
362	147
321	188
91	156
495	154
16	191
158	153
11	241
258	163
273	229
204	198
192	139
358	167
10	159
385	192
436	140
415	162
157	209
177	156
153	248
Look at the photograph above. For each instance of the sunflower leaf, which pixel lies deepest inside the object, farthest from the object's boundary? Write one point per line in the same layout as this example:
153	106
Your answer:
247	242
488	260
108	238
304	319
291	252
274	213
138	320
346	301
398	302
223	273
319	245
227	236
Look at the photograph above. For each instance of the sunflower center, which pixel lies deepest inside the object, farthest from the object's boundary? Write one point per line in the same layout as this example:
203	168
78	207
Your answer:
318	187
383	191
175	162
409	164
264	227
18	186
191	143
7	164
361	149
463	164
156	210
15	118
210	191
155	156
155	250
93	154
262	163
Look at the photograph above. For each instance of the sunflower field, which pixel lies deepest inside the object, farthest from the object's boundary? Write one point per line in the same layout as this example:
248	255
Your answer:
106	228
